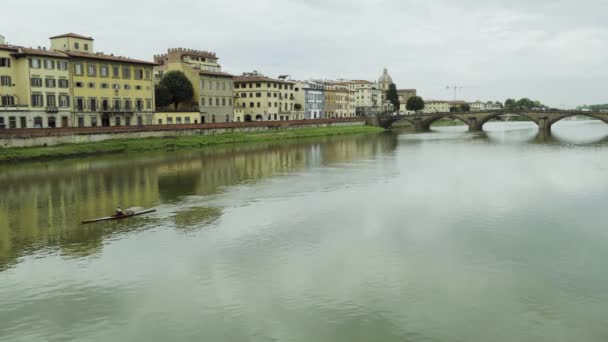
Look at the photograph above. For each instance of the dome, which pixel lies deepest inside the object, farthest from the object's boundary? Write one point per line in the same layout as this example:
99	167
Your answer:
385	78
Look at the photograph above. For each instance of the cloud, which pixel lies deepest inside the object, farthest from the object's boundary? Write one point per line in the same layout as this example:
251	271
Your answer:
550	50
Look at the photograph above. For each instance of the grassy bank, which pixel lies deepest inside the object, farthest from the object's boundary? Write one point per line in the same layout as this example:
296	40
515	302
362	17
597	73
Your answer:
172	143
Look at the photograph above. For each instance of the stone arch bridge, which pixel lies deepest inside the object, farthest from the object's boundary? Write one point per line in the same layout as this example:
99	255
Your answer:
475	120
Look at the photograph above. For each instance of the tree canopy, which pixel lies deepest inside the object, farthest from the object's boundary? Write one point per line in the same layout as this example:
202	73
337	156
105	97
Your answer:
415	103
460	108
393	96
524	103
162	96
178	86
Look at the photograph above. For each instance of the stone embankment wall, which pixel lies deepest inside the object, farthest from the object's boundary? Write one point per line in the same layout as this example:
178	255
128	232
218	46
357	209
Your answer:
59	136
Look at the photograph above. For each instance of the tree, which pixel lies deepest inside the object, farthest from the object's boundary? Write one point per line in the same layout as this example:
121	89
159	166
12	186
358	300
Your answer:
179	87
415	103
393	96
162	96
510	103
465	107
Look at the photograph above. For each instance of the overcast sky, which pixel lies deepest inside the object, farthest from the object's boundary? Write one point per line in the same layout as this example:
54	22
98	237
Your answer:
555	51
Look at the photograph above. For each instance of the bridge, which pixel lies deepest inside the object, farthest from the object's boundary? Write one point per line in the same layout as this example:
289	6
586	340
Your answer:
545	119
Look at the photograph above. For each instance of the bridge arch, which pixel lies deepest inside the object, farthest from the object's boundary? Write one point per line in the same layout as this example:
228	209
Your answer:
429	122
493	115
569	115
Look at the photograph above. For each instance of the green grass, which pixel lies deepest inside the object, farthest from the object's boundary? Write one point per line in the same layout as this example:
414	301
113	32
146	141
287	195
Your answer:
172	143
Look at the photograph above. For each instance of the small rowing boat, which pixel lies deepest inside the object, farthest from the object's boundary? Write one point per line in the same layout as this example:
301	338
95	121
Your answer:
127	213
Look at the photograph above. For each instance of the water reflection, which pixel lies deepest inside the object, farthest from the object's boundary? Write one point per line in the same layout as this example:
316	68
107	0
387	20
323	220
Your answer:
43	203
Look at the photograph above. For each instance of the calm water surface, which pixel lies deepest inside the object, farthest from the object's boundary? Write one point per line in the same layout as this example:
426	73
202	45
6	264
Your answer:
442	236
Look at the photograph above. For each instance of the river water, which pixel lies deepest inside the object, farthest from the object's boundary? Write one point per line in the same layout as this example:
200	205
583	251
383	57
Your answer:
441	236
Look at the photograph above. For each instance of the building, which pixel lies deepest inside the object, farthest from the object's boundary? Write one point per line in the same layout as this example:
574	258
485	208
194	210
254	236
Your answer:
71	84
339	101
478	106
368	96
385	81
261	98
437	106
404	96
310	98
213	89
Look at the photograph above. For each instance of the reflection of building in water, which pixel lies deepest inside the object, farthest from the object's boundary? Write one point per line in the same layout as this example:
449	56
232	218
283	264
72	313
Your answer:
45	212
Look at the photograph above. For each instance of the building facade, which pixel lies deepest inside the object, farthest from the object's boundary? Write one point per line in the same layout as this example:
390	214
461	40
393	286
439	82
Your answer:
339	101
310	98
437	106
72	85
404	96
213	89
367	96
261	98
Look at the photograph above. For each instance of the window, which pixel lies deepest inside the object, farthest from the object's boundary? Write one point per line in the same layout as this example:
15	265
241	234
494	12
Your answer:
93	121
169	121
138	87
126	72
78	69
227	118
35	63
5	62
213	118
86	47
160	121
217	101
105	86
64	101
93	105
127	86
115	71
116	104
139	74
80	103
2	122
224	102
92	69
103	71
148	103
127	104
12	122
223	85
105	105
51	100
63	83
49	64
258	85
37	100
76	46
117	120
62	65
36	82
128	121
251	104
7	100
217	85
230	102
116	86
178	120
23	122
139	104
5	81
187	119
258	94
79	84
50	82
91	85
148	74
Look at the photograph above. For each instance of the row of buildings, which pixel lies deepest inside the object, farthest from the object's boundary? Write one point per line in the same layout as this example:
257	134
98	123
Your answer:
444	106
70	84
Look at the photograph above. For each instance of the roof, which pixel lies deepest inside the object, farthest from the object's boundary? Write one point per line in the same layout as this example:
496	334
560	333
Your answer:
72	35
9	47
23	51
245	78
353	82
406	90
104	57
215	73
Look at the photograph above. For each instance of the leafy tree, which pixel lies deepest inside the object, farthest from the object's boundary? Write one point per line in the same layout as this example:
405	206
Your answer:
465	107
510	103
415	103
179	86
454	109
393	96
162	96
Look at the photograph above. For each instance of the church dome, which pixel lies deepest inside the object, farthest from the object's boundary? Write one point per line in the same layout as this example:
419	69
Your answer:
385	78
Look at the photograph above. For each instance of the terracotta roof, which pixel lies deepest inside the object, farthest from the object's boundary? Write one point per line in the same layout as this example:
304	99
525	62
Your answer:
245	78
9	47
72	35
216	73
23	51
104	57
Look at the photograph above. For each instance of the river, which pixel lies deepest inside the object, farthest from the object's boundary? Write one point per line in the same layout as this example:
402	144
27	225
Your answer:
440	236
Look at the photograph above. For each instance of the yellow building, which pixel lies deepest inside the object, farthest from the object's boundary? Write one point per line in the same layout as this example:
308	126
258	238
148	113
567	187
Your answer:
72	85
213	89
261	98
340	101
436	106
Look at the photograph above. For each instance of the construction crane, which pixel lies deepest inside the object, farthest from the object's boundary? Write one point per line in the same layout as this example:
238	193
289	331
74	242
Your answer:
456	89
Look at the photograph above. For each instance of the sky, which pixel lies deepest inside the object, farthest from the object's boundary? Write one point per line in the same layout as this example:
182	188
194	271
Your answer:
555	51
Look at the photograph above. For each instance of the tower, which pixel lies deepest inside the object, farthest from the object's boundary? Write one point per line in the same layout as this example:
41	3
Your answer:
385	81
